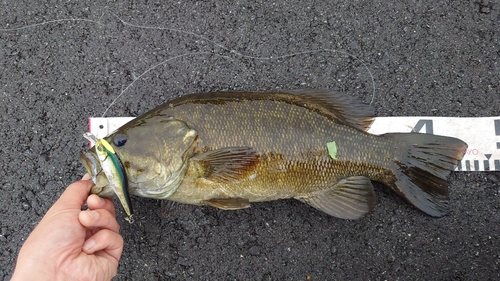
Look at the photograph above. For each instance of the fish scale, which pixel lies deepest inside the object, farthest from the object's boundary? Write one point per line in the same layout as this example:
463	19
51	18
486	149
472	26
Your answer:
228	149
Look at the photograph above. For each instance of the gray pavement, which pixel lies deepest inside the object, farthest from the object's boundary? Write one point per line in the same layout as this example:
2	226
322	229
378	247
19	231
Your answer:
437	58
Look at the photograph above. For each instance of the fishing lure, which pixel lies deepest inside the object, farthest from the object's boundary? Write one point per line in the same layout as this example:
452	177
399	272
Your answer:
113	169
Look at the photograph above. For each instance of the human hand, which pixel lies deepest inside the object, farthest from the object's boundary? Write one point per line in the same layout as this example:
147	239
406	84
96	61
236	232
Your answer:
70	244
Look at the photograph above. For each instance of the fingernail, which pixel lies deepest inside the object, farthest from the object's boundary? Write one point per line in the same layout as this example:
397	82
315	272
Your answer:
88	245
93	214
86	177
101	201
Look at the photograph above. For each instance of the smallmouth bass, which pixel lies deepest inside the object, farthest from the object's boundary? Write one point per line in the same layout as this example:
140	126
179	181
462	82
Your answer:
229	149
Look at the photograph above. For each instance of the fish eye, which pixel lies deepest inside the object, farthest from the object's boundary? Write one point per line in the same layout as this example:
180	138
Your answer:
119	140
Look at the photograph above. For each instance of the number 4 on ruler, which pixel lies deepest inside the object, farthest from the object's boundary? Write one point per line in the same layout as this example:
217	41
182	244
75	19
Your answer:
424	122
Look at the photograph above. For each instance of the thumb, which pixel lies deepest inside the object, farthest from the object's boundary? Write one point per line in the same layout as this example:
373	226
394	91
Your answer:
75	195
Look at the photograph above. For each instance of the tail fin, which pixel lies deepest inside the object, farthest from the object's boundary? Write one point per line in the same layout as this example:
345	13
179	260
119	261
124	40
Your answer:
421	165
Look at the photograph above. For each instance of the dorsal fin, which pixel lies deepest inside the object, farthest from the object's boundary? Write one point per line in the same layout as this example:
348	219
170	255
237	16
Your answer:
338	107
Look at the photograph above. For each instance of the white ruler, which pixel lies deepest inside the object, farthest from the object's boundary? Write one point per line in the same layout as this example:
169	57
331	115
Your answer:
482	134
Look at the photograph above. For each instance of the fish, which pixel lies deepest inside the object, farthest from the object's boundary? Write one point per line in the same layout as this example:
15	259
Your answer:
232	149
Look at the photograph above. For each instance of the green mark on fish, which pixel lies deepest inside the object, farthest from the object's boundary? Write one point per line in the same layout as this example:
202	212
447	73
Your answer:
332	149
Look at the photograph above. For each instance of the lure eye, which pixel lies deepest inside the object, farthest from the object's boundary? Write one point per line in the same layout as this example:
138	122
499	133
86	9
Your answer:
119	140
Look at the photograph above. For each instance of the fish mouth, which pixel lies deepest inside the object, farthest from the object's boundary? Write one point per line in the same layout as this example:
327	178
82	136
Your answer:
91	163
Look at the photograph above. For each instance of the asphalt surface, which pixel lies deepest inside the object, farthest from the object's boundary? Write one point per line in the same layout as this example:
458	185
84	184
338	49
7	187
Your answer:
437	58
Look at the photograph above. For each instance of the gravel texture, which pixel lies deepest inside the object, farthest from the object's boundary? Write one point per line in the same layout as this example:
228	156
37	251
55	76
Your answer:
67	60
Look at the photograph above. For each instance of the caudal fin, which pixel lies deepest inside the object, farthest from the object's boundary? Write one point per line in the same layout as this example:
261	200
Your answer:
421	166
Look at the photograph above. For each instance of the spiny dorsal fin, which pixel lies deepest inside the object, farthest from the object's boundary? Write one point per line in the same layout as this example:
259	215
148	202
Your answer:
351	198
227	164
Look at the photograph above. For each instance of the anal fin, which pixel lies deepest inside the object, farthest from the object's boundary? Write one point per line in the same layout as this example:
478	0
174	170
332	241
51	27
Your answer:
228	203
351	198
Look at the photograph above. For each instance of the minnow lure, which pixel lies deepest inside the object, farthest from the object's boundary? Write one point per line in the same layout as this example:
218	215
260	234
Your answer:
113	169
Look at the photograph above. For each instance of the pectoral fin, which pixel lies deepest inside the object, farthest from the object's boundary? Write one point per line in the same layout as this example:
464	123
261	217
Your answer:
351	198
228	203
226	164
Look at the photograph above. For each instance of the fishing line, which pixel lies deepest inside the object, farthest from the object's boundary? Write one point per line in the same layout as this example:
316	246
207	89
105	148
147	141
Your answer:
152	68
49	22
213	42
232	51
391	123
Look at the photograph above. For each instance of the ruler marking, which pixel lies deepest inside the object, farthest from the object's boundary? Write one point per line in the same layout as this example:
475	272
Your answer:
486	165
497	127
497	165
476	165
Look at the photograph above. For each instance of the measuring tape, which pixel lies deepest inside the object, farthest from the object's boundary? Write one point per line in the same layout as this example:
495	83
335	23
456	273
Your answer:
482	134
